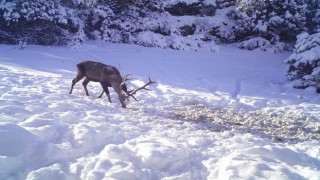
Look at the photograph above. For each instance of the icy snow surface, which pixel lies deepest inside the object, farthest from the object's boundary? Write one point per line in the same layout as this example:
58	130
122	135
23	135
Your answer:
224	115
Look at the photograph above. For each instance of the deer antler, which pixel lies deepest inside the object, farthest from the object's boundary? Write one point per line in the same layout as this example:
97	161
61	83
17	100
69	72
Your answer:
125	78
132	92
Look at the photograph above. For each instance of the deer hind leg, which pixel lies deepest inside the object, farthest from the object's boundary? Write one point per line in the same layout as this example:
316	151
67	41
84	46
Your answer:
106	90
75	80
85	83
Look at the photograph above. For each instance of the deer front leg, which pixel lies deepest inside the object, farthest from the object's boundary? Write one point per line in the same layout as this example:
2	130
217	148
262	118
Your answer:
75	80
106	90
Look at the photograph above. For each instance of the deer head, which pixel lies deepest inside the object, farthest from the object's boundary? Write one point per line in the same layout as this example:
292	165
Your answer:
131	93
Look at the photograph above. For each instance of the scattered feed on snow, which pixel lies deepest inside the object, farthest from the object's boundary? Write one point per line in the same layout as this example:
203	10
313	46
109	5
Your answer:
271	123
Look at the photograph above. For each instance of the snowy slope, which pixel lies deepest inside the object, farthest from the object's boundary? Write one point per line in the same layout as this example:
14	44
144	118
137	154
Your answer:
224	115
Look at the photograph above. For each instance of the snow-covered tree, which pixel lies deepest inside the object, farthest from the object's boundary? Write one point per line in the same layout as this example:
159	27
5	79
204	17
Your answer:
34	21
304	63
273	21
177	24
313	16
56	22
7	14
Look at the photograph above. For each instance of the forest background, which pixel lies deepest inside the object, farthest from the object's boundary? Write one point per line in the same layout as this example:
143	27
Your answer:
267	25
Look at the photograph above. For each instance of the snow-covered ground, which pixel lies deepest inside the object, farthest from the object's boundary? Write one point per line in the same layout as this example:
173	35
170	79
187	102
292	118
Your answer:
224	115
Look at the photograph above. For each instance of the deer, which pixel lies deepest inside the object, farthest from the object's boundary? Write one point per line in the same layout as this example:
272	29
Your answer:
107	76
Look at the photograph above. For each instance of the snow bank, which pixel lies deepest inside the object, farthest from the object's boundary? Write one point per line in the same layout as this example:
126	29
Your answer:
21	149
145	158
273	162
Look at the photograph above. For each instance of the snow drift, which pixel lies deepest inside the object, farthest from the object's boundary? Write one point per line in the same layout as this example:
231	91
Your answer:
224	115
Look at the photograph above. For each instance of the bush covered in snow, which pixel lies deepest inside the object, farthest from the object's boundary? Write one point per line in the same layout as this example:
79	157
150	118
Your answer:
304	63
262	44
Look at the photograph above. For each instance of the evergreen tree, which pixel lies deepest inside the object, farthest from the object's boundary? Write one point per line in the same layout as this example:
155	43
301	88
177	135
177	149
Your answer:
274	21
304	63
313	16
34	21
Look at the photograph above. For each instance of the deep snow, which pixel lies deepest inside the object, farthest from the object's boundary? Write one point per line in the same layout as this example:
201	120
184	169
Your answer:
230	114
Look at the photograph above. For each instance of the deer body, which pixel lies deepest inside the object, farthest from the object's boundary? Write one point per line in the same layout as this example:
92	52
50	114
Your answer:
106	75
